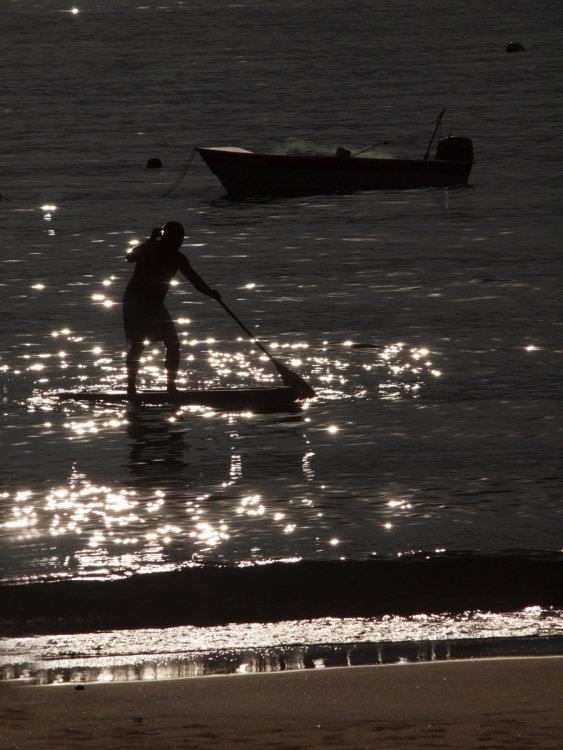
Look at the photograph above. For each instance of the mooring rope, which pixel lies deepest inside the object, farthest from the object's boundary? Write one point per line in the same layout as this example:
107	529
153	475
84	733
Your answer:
182	174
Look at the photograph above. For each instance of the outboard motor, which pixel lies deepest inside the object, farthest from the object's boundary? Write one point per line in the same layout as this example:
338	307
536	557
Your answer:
455	148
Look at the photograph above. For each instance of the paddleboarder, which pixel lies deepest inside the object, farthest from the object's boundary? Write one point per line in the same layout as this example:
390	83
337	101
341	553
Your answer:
145	317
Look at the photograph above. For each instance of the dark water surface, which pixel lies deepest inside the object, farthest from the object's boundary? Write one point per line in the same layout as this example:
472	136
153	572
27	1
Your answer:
429	321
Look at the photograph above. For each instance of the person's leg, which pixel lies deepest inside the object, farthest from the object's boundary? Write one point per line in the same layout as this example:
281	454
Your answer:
136	322
132	364
164	330
172	363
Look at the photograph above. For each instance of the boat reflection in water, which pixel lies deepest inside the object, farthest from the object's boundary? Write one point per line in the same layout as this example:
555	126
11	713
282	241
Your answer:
245	174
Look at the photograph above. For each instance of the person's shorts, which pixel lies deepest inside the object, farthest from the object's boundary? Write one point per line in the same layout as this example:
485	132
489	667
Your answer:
143	323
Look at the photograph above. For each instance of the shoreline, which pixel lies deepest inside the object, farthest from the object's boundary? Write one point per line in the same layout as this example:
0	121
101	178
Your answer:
47	662
509	701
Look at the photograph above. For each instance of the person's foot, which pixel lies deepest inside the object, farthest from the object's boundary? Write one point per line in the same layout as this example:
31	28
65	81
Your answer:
131	389
171	387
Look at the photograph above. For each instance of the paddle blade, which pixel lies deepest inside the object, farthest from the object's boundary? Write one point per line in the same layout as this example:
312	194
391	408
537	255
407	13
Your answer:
292	378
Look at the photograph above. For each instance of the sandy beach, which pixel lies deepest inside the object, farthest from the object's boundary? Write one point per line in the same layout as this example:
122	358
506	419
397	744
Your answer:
496	703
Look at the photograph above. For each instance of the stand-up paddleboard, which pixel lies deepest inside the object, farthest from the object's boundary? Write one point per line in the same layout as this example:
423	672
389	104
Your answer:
224	399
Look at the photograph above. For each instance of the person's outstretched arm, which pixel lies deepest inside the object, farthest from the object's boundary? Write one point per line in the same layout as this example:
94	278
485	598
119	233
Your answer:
195	279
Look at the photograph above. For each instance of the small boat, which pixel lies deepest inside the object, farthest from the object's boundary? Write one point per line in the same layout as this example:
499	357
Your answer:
245	174
223	399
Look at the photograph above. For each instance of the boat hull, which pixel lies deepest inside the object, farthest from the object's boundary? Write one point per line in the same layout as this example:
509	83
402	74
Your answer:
244	174
222	399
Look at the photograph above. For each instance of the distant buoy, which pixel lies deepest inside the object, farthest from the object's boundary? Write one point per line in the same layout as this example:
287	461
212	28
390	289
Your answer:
515	47
154	164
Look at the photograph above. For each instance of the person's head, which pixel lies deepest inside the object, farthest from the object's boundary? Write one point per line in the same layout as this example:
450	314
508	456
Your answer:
173	233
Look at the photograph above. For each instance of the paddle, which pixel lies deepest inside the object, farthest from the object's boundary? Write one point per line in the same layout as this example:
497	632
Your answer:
288	376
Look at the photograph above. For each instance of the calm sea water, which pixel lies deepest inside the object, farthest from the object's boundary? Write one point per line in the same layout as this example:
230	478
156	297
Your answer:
429	321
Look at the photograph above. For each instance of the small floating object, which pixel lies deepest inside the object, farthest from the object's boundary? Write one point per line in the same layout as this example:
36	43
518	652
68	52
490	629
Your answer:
154	164
515	47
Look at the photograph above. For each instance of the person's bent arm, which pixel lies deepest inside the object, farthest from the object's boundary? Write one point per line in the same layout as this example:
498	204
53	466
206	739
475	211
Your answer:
195	279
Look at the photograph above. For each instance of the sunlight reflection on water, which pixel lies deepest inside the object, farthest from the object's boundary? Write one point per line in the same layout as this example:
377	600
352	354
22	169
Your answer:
426	320
81	516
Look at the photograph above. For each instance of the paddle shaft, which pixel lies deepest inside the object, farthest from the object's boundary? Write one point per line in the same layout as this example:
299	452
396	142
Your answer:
245	329
289	377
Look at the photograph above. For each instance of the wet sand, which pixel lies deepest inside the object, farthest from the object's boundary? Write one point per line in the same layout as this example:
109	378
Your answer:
497	703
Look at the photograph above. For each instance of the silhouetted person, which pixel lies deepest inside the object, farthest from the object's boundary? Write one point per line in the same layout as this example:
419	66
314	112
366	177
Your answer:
145	317
515	47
